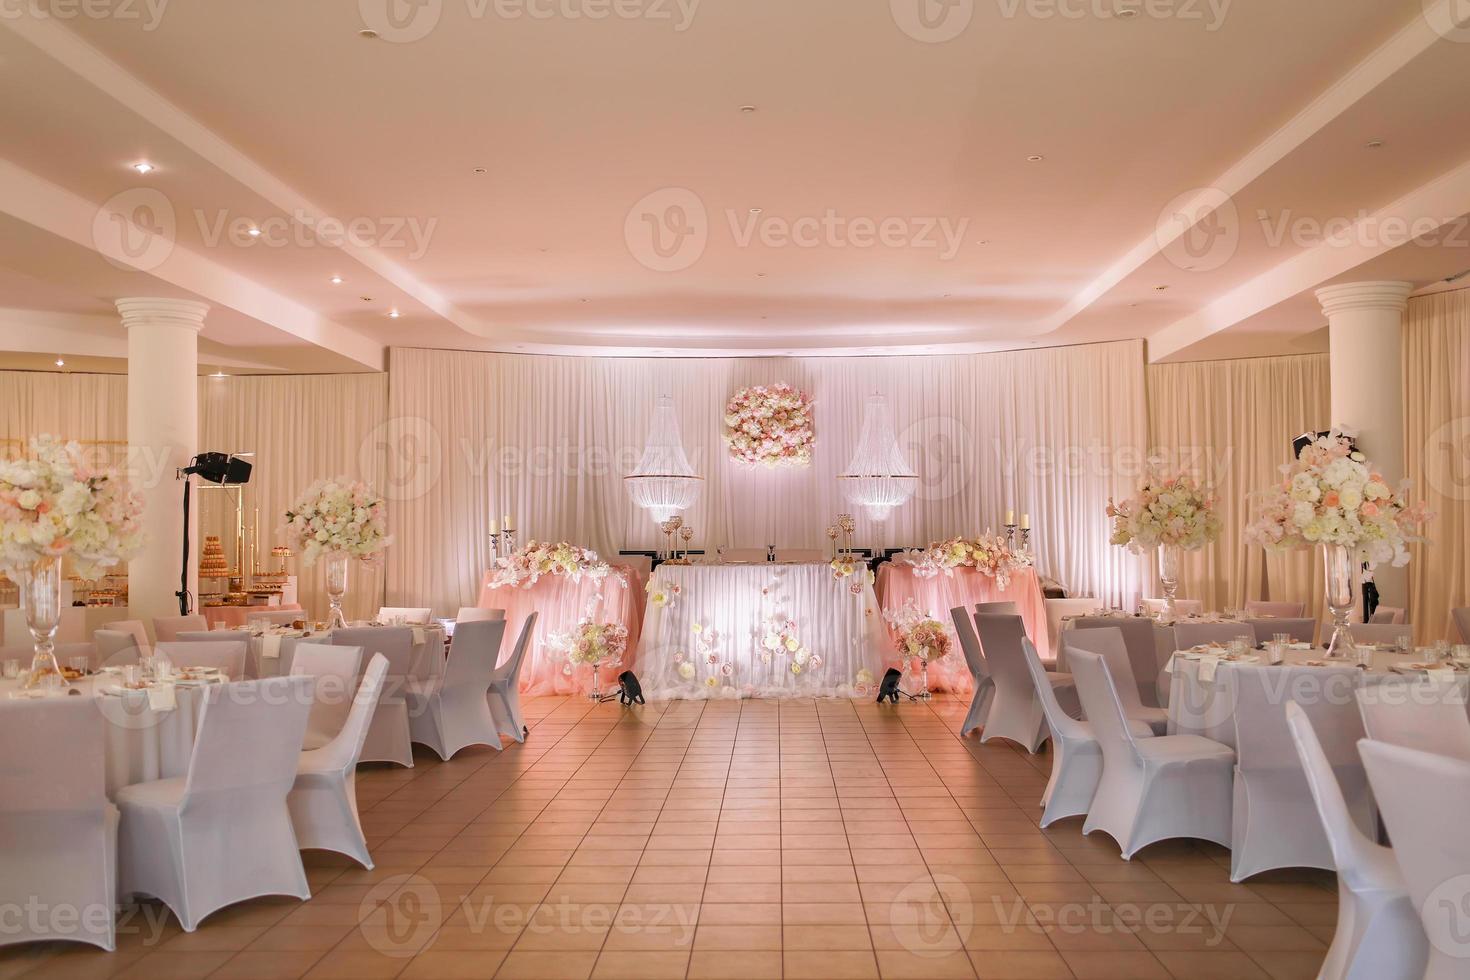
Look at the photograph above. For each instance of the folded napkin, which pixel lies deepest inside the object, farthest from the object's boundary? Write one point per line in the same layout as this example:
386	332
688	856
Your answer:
1209	665
270	646
161	697
419	635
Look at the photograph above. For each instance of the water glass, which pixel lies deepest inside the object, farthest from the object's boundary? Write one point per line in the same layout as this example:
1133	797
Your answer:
1284	639
1365	654
1275	651
132	674
1461	653
79	664
10	670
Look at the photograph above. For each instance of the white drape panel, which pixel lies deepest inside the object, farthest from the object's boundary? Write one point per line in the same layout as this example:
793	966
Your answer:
1437	454
300	428
1231	424
89	408
1052	433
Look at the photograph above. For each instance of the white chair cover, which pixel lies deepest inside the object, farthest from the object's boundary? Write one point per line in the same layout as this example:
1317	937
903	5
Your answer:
475	614
1275	822
642	564
405	614
454	711
227	655
1188	635
1004	608
167	628
1182	607
323	800
1384	633
1076	763
116	648
1300	630
984	692
58	833
222	833
1424	799
1140	636
1281	610
1392	615
1016	713
388	736
1151	789
1424	715
505	691
799	554
1378	933
334	671
133	626
1057	610
1108	644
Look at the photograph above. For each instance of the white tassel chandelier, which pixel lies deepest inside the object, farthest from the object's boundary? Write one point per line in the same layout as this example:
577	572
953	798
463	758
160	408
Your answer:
878	479
664	482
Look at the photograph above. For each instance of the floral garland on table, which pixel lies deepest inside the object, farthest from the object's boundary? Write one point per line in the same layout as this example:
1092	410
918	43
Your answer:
339	516
918	633
988	554
1332	495
770	425
53	505
524	567
595	643
1169	510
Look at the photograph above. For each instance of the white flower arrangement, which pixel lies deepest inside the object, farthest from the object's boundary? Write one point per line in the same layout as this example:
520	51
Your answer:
988	554
917	633
1332	495
338	517
595	643
770	425
1169	510
53	505
524	567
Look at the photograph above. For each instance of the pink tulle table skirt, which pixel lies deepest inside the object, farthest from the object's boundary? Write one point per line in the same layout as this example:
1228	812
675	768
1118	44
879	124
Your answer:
897	583
562	604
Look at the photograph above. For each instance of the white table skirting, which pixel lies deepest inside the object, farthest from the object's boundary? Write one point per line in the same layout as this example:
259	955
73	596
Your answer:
763	630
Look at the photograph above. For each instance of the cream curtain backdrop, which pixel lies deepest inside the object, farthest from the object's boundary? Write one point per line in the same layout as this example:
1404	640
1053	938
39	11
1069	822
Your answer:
1052	433
89	408
1437	454
1231	423
300	428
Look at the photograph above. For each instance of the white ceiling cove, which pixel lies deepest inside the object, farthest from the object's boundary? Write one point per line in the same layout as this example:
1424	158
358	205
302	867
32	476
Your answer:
722	176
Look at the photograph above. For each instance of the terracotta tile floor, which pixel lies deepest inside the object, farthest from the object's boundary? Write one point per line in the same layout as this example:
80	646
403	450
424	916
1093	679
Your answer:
735	839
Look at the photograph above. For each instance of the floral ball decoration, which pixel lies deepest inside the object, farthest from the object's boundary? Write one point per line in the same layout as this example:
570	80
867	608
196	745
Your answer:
338	517
1332	495
52	504
1169	510
770	425
917	633
594	643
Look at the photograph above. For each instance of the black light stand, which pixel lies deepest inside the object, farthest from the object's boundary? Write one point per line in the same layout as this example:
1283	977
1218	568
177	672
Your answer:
222	468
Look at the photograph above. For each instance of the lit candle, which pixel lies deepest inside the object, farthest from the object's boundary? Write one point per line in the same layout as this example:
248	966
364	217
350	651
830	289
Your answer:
494	526
507	523
1010	517
1026	521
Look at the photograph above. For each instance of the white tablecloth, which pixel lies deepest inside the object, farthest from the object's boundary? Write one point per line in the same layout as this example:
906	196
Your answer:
141	744
763	630
428	651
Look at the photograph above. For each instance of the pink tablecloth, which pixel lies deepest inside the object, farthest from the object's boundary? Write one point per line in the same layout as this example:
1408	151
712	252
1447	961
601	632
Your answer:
938	595
235	616
562	604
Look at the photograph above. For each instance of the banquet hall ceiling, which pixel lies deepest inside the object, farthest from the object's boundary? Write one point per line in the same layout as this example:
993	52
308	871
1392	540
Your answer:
721	176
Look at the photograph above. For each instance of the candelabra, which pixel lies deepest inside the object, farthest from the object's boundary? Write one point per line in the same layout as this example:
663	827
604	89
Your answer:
687	534
1025	538
832	532
1010	534
848	526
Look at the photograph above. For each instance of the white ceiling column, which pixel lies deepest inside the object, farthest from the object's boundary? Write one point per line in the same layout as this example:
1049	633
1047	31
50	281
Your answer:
163	436
1366	324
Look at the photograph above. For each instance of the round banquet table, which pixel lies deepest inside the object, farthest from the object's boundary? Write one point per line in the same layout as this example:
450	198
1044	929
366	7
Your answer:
141	744
269	654
897	583
563	602
232	617
723	633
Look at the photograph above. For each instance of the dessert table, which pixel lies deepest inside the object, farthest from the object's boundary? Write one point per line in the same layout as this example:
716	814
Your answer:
563	602
760	630
937	595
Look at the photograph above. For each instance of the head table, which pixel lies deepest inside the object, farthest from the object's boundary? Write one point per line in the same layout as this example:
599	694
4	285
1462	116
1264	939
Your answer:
760	630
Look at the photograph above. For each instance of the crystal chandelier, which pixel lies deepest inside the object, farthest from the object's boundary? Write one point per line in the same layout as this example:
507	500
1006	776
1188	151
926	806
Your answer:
664	482
878	479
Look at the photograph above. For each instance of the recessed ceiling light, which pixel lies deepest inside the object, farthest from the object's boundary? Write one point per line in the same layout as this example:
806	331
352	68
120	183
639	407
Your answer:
336	280
1160	289
747	109
1126	13
394	314
219	375
1035	158
1374	144
254	233
368	34
144	167
60	362
983	241
366	299
480	170
755	210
